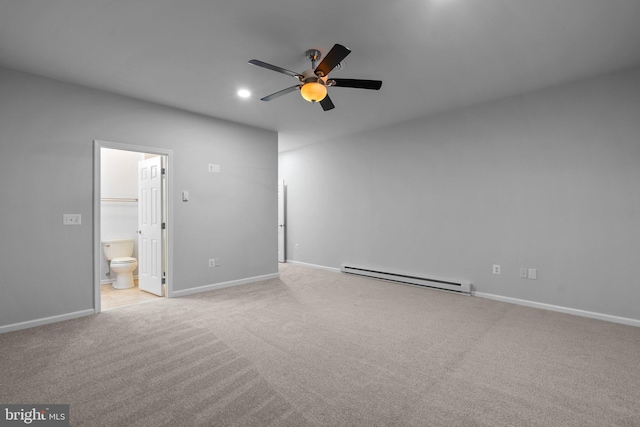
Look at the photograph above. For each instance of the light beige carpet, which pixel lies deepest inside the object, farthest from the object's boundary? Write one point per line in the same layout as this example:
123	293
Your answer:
316	348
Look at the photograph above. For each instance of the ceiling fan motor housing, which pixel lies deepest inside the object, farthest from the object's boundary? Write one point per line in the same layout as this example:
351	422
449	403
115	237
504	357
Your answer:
309	76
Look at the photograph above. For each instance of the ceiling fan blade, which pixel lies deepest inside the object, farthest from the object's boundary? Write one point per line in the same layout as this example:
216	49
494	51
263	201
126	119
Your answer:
327	104
333	58
280	93
357	83
274	68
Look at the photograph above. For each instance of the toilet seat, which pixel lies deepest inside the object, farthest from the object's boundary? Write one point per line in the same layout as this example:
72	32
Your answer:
123	260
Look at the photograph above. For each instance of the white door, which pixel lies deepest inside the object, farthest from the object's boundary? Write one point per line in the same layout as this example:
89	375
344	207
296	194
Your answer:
150	225
281	225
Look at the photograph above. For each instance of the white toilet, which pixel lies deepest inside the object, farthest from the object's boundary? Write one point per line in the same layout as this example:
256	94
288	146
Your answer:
118	253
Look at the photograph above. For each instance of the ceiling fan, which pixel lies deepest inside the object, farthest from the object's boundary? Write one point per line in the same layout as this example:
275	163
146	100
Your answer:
313	83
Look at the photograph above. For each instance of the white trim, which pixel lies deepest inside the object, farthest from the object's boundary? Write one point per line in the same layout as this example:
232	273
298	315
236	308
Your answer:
111	281
45	321
207	288
560	309
527	303
98	144
321	267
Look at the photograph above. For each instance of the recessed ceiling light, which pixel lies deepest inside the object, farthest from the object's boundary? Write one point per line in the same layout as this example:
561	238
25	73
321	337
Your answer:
243	93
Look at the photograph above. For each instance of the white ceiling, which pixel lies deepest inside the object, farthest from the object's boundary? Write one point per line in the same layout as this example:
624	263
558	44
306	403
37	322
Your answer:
432	55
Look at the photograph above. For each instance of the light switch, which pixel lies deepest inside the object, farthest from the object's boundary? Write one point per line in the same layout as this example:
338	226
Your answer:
71	219
185	196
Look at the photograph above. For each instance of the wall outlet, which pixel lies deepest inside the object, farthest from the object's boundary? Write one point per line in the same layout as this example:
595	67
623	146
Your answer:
496	269
215	168
71	219
216	262
212	262
532	273
523	273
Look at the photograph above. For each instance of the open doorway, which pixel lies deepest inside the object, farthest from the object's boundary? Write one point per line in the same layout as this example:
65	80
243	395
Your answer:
132	256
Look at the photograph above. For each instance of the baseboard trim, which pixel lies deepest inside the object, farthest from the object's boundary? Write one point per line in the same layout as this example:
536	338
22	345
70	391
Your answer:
111	281
207	288
527	303
321	267
45	321
561	309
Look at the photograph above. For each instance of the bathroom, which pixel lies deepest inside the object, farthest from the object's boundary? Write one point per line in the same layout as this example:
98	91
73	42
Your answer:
119	225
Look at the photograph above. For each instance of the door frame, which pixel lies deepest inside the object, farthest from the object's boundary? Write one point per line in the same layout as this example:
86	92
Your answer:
282	221
167	236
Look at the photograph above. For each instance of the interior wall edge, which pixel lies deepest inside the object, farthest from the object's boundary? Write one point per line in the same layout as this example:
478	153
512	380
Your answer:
45	321
560	309
228	284
321	267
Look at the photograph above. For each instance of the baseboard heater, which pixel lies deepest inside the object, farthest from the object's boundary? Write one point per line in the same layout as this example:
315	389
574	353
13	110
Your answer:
461	286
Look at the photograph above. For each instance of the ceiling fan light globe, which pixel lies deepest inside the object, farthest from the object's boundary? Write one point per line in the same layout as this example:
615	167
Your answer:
313	91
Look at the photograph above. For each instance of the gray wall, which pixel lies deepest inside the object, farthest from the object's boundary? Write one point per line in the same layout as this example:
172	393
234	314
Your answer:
47	130
548	180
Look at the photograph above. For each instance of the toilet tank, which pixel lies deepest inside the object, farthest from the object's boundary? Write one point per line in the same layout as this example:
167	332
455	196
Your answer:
117	248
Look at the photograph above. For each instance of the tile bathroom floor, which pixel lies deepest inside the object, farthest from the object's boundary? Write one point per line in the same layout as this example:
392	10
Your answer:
114	298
